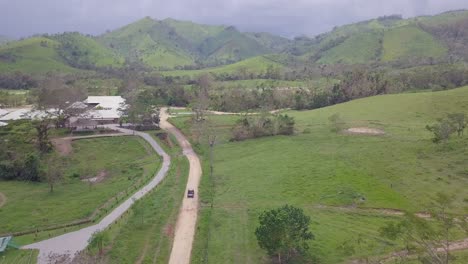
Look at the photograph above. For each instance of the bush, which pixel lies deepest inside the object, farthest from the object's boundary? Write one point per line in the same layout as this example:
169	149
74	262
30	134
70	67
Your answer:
262	126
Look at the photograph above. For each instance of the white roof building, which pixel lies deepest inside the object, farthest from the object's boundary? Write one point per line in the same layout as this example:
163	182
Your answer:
3	112
25	113
105	107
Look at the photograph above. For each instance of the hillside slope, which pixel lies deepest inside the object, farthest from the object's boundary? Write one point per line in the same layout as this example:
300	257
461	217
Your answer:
170	43
34	55
389	38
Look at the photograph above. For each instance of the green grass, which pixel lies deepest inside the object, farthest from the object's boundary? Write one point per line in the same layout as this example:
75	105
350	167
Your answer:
410	41
89	51
259	83
103	87
126	160
146	232
15	256
402	170
254	65
359	48
32	57
13	98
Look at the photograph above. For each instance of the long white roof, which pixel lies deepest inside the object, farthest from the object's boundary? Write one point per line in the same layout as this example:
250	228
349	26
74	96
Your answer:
3	112
106	101
25	113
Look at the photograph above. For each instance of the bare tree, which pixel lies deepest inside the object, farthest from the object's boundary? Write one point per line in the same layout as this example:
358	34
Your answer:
59	99
202	96
54	172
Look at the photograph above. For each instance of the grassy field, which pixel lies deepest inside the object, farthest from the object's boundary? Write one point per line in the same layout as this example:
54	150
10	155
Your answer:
359	48
13	98
321	172
254	65
410	41
100	87
145	234
15	256
125	162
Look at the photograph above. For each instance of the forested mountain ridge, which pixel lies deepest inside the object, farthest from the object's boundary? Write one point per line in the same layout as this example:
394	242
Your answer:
172	44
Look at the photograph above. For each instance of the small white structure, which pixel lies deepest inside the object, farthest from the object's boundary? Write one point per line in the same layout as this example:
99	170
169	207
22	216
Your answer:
3	124
3	112
104	109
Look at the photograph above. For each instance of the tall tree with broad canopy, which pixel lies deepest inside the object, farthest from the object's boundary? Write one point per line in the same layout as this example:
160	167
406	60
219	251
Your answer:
284	232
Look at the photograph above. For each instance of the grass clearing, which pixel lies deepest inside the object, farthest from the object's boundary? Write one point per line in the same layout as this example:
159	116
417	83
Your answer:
30	205
402	170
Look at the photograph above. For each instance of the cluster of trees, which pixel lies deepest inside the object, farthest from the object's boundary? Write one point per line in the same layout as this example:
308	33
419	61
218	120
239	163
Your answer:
261	126
17	81
446	127
19	160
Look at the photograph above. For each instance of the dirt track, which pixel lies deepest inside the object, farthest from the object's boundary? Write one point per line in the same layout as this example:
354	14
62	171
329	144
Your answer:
187	219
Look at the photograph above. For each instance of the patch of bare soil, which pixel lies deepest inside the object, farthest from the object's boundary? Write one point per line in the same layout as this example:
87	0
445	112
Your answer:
3	199
63	146
101	176
365	131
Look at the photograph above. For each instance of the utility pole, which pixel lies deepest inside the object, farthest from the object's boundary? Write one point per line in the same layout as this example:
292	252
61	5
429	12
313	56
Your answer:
211	141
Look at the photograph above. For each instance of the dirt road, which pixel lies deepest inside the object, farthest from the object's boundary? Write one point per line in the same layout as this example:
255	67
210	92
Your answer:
71	243
187	219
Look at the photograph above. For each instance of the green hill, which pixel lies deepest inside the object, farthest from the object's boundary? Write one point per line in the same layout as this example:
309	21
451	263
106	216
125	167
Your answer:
173	44
255	65
151	42
387	38
359	48
34	55
410	41
84	51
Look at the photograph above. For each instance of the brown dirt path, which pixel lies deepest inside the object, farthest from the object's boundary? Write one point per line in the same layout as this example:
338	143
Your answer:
187	219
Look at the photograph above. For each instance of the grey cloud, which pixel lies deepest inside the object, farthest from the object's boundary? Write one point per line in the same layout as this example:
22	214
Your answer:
20	18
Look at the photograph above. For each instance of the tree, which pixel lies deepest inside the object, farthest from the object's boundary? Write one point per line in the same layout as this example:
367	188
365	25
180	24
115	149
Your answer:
202	97
57	98
54	172
284	232
441	131
42	127
459	122
337	123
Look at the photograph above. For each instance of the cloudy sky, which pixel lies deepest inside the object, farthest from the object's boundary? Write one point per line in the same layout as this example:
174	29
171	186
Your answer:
19	18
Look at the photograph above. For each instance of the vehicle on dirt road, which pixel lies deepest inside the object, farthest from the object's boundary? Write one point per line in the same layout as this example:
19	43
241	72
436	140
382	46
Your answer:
190	193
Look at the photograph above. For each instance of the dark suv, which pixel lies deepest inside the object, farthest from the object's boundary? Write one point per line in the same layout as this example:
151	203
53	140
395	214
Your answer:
190	193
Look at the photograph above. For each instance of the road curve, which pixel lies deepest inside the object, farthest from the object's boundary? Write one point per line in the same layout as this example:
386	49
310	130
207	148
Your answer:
71	243
187	219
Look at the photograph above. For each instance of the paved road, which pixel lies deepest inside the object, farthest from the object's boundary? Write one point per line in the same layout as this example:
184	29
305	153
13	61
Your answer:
71	243
187	219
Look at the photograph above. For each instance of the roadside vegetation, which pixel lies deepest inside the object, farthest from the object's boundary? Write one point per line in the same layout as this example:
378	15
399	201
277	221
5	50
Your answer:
145	233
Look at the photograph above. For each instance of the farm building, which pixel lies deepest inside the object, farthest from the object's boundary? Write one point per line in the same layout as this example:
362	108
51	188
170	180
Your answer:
100	110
